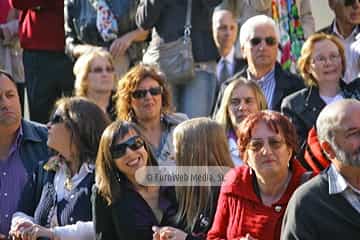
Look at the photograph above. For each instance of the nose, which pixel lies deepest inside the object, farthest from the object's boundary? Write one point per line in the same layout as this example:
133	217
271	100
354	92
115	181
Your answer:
242	105
266	149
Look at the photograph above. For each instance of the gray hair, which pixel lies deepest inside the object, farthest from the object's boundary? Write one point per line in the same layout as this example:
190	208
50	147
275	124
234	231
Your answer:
248	28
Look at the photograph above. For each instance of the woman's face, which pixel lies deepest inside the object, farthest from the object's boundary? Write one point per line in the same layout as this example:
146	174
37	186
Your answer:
146	100
242	103
59	136
325	63
133	157
267	153
101	75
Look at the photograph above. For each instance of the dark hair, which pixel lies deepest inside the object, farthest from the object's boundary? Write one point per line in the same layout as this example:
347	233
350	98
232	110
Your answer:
107	174
86	122
275	121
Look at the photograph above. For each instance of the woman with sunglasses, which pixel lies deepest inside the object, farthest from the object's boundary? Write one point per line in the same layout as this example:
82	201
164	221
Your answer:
143	97
241	97
96	79
123	207
63	208
254	197
322	65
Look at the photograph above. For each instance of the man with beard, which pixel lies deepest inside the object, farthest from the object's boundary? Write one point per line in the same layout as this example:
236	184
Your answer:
22	146
328	206
259	42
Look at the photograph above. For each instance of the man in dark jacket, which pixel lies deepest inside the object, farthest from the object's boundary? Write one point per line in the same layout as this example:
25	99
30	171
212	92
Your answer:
22	146
259	39
328	206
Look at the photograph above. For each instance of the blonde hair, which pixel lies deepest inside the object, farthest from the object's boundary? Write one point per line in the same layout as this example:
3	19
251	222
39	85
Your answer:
82	68
307	50
223	116
129	83
198	142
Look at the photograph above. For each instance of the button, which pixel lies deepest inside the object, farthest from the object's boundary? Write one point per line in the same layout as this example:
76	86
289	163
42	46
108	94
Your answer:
4	173
5	194
6	215
71	219
72	196
278	208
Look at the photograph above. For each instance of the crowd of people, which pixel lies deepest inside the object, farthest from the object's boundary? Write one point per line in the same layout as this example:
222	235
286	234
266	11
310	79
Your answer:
267	128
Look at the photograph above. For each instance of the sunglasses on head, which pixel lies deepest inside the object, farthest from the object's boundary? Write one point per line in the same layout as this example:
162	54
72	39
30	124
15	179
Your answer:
119	150
56	118
349	2
270	41
141	93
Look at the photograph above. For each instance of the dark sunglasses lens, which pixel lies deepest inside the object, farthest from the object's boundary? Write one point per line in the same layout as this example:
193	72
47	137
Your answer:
255	41
155	91
349	2
119	150
139	94
270	41
56	118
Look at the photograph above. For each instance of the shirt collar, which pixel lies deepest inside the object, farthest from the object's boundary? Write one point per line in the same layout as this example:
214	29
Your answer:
264	79
353	34
337	183
230	57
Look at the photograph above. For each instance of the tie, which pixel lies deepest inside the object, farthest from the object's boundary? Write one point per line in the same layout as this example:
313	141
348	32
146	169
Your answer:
224	73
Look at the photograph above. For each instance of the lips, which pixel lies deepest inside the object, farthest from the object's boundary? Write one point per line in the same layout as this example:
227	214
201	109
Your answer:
134	162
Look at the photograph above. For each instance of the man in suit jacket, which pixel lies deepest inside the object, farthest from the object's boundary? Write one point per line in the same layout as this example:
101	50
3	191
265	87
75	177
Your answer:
346	27
259	39
225	30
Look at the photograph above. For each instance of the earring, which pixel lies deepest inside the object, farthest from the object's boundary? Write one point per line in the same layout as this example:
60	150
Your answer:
118	178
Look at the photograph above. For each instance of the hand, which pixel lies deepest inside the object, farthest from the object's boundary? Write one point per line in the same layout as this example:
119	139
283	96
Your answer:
18	228
168	233
248	237
121	44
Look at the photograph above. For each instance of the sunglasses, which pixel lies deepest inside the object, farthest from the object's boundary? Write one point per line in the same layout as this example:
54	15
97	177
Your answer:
56	118
257	145
119	150
141	93
270	41
349	2
101	70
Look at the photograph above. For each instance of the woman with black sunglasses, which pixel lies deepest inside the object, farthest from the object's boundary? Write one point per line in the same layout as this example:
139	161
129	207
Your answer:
123	208
63	209
143	97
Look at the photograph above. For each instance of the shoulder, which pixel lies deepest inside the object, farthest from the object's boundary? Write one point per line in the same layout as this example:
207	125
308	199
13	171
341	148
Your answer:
327	29
288	77
235	178
34	131
175	118
296	98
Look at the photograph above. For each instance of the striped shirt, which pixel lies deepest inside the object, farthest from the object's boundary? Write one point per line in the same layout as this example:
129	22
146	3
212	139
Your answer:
339	185
267	84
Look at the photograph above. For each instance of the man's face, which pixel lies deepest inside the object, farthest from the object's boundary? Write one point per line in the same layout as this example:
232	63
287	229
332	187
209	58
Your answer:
348	11
347	139
261	48
10	108
224	30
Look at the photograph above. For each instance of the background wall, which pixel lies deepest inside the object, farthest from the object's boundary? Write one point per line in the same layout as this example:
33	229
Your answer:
322	13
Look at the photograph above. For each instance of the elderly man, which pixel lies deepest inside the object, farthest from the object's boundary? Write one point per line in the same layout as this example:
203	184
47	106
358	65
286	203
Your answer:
22	145
259	38
225	29
346	27
328	206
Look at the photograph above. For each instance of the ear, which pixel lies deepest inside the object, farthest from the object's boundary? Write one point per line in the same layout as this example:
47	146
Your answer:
328	149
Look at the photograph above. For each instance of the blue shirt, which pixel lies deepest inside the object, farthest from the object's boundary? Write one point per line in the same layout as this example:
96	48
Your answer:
13	177
267	84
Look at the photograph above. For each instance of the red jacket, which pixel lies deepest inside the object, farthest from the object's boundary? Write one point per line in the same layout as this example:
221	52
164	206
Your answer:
41	24
240	210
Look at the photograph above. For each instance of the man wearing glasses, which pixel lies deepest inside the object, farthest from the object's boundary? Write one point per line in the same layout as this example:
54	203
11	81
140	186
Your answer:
22	146
259	40
346	27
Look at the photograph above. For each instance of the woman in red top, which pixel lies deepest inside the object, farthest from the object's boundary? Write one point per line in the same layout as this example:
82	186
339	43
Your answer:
254	197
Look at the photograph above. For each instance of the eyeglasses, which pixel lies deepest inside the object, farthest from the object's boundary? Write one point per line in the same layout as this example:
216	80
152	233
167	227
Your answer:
349	2
320	59
257	145
119	150
101	70
56	118
236	102
270	41
141	93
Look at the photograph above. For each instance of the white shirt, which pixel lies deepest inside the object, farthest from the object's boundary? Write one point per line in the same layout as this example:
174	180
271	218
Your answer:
339	185
230	63
329	100
352	53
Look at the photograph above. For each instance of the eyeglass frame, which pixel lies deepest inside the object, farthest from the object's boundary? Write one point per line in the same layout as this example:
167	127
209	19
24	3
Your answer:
141	93
119	150
274	144
270	41
322	59
98	70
